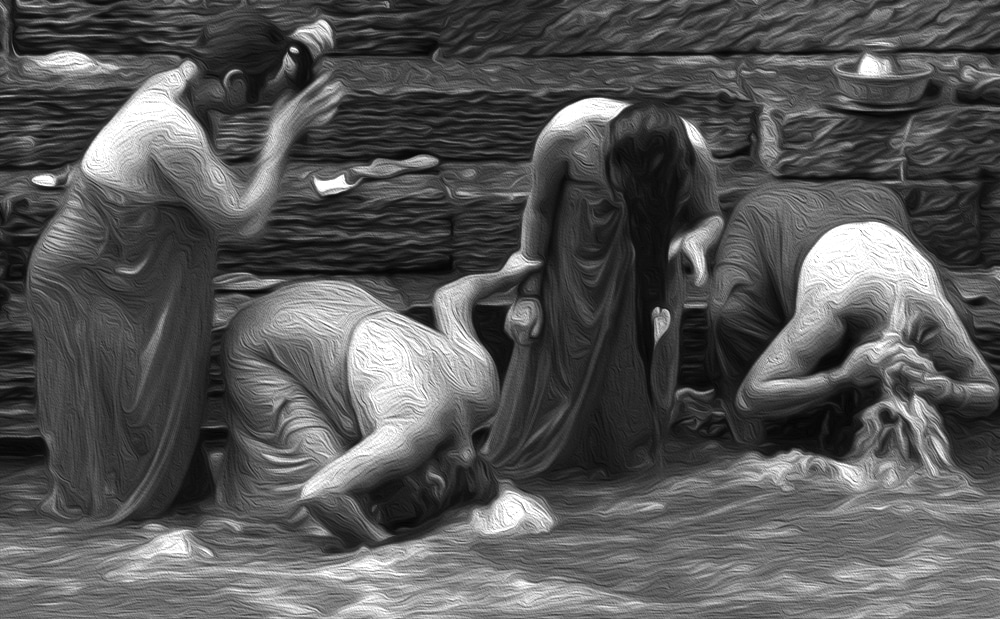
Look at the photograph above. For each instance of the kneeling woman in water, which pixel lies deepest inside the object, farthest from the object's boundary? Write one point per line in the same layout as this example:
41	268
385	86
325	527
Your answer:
613	183
331	395
868	305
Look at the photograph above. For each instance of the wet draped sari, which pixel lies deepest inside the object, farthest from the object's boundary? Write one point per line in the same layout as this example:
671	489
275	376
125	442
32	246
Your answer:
120	297
577	397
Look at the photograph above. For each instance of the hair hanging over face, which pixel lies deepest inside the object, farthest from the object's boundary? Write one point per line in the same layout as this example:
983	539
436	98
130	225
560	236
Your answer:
245	40
651	163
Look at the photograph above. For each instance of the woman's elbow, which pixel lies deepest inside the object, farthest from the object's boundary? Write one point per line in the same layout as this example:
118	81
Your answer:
745	405
990	397
745	424
242	230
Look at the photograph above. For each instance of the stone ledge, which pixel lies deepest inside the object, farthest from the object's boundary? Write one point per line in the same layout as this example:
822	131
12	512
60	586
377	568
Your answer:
815	142
396	108
377	27
582	27
478	28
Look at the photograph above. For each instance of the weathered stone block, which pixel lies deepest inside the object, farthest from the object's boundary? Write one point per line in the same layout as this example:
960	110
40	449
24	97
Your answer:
989	223
453	111
946	141
488	199
571	27
944	215
815	142
373	27
954	142
398	225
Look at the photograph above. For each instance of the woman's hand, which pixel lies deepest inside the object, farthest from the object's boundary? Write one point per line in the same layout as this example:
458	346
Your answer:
313	107
524	320
695	246
874	362
661	323
519	266
317	36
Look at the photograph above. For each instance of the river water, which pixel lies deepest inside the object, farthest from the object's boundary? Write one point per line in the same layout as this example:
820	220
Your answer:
719	532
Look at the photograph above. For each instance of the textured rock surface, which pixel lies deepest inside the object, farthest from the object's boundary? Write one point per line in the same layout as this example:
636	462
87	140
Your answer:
566	27
946	141
399	225
989	223
377	27
815	142
958	142
397	108
945	217
528	27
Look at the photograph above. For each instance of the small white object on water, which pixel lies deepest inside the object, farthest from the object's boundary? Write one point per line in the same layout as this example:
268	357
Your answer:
49	181
513	513
178	544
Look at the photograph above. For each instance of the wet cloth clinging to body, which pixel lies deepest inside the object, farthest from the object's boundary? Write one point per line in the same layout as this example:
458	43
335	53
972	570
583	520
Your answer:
288	404
121	308
577	395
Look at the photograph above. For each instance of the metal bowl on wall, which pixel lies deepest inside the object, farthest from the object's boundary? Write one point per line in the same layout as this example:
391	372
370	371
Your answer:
878	78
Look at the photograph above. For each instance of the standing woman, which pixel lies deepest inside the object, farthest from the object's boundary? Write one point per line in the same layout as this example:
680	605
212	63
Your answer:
119	284
613	183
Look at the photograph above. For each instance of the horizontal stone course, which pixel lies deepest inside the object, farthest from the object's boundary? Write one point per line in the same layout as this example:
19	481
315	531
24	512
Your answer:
394	109
479	28
948	141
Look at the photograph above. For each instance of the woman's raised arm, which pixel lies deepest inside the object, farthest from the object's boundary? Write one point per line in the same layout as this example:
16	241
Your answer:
184	157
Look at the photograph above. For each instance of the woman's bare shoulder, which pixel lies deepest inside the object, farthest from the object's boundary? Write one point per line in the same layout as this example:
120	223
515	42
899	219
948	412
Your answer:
585	114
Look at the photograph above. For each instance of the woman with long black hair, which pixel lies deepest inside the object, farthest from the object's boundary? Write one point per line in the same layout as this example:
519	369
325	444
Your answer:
618	190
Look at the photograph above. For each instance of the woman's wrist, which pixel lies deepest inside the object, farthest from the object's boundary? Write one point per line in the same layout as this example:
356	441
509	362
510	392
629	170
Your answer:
279	140
531	286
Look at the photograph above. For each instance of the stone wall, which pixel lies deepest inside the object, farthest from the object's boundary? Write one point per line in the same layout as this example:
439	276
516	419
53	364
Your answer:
472	83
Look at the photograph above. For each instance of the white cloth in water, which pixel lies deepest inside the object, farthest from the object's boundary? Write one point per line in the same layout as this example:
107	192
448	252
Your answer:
905	432
513	513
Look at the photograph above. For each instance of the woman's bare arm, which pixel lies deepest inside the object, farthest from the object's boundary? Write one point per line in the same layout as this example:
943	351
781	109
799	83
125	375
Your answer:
454	302
782	383
391	385
184	157
967	385
549	165
698	242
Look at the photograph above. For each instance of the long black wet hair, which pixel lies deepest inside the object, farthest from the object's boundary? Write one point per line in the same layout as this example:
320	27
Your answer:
651	163
246	40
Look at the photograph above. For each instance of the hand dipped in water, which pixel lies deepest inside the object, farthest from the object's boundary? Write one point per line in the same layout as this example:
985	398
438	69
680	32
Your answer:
524	320
314	107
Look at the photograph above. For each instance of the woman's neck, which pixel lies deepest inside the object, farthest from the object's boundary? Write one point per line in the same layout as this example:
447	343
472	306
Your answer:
193	99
